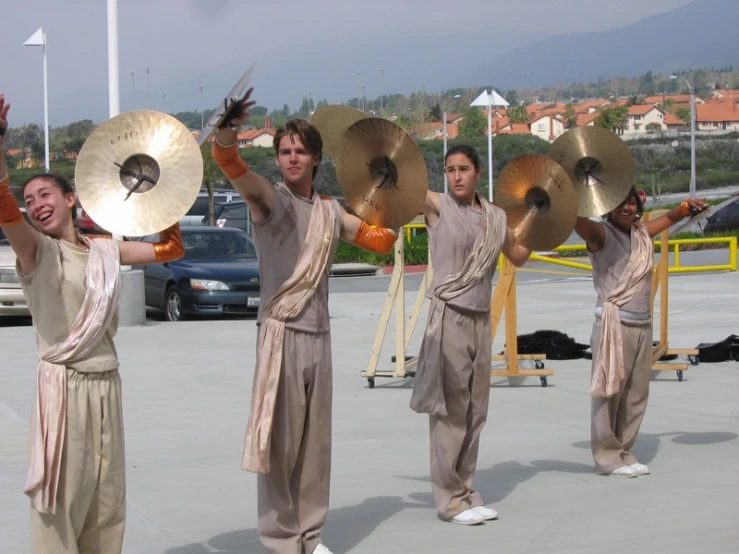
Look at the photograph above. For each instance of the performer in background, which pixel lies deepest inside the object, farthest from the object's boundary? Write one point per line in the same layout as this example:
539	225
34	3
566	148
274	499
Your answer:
288	437
621	252
452	384
76	478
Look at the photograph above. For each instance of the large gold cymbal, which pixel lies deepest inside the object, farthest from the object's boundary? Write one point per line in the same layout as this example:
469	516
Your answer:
382	173
139	173
539	200
600	166
332	122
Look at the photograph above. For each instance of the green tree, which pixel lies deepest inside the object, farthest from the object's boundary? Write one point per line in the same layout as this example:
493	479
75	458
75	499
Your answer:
683	113
518	115
435	113
473	123
570	116
511	97
605	119
653	127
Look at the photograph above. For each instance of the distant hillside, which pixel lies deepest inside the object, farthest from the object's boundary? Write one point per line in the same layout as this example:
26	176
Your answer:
700	34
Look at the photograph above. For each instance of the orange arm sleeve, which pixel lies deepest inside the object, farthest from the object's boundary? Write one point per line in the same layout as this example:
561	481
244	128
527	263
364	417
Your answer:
169	248
10	213
228	159
375	239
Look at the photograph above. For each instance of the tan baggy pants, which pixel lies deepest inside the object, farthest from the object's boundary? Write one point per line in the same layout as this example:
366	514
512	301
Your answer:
466	352
91	506
294	495
615	421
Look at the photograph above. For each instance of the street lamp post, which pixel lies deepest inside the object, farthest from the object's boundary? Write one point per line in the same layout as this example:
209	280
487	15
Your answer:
490	100
381	72
446	183
692	135
202	109
148	86
133	79
39	39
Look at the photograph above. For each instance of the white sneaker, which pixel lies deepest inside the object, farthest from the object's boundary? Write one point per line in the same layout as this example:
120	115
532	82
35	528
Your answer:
469	517
321	549
487	513
640	469
623	471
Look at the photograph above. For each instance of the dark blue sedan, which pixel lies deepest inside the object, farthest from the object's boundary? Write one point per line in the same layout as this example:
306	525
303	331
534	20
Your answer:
219	274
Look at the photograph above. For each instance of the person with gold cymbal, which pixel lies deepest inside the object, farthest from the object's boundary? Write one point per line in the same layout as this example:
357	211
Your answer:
296	230
467	235
621	252
76	477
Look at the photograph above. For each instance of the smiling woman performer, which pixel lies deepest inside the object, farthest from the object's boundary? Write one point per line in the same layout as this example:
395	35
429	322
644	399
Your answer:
622	254
467	235
76	478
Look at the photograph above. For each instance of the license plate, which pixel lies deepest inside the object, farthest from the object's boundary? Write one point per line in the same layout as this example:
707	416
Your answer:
252	302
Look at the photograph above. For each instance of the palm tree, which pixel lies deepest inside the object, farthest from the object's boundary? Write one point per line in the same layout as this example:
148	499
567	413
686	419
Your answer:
518	115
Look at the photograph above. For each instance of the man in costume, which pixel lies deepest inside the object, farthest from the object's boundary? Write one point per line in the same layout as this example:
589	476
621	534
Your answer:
452	385
621	252
288	437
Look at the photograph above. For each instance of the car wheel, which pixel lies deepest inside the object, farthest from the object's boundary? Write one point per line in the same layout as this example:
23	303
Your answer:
173	305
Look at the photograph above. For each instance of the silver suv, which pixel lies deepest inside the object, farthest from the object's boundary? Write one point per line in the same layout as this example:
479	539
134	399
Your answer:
199	209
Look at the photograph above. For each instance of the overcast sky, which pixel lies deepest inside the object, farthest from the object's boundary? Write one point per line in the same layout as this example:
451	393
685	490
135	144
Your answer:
211	42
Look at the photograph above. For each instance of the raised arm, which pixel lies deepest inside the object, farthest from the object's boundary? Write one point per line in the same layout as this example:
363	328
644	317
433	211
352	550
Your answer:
368	237
514	251
685	209
168	249
431	208
591	232
23	238
256	191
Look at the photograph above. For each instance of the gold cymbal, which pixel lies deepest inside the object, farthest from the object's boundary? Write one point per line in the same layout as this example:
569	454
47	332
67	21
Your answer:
332	122
382	173
139	173
539	200
600	166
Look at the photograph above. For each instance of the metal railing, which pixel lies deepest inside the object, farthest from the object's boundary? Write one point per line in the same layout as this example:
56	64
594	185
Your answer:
675	267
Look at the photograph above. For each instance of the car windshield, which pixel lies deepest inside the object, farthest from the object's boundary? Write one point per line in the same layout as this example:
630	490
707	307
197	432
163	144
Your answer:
217	244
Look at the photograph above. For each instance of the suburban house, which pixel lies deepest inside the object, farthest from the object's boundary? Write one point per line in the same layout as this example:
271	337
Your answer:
256	137
548	126
644	118
717	117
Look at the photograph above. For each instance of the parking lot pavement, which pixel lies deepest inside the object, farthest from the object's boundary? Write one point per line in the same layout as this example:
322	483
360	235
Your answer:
186	394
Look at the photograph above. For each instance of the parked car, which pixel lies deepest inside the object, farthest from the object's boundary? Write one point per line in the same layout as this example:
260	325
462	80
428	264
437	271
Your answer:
219	274
726	219
231	214
199	209
236	214
12	301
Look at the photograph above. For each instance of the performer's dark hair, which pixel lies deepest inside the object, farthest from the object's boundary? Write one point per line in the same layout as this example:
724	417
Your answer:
467	150
639	206
308	134
59	182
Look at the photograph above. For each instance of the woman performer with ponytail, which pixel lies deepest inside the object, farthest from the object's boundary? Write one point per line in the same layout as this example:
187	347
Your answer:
622	255
467	235
76	478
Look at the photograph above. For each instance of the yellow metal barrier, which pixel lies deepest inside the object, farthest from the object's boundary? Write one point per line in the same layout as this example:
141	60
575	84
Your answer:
731	242
675	268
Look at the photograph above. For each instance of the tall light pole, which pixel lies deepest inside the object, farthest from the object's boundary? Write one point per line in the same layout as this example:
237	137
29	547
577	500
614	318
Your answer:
362	87
164	97
133	78
692	134
114	102
202	109
310	102
490	100
446	184
148	86
39	39
381	89
359	100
